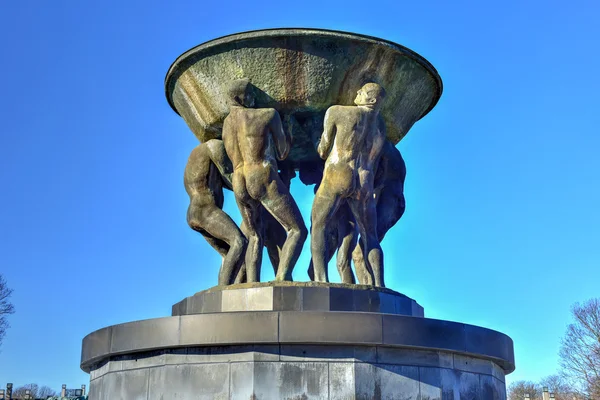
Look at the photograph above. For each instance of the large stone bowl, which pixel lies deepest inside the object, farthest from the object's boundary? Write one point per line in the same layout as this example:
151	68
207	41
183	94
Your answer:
301	72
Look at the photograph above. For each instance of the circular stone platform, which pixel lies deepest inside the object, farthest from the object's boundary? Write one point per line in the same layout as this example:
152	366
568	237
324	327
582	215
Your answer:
298	296
296	354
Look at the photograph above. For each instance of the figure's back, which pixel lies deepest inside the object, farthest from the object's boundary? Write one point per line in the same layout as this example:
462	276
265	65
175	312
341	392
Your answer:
251	128
356	131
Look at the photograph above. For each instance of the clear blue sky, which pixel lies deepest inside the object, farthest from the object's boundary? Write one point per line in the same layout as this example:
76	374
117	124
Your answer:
502	225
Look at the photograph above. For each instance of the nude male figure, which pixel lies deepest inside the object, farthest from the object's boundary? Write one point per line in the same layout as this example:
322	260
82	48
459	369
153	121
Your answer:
254	140
351	144
389	196
207	171
341	235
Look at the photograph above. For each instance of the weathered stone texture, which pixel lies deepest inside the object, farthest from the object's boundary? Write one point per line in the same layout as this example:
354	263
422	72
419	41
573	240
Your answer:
296	372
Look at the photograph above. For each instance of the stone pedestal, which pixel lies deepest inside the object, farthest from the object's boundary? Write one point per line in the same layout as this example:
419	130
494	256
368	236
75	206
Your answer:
297	341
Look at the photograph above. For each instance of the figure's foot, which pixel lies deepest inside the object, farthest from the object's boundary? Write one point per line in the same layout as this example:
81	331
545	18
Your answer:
282	278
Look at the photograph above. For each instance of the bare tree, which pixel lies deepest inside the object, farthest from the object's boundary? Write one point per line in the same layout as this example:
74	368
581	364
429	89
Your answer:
45	392
580	348
6	307
518	390
558	385
36	391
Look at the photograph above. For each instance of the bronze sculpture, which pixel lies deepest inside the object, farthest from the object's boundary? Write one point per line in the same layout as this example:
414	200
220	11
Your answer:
207	171
352	140
254	140
389	196
359	190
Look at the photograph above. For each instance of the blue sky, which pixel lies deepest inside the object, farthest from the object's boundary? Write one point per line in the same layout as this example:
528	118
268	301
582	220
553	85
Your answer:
502	225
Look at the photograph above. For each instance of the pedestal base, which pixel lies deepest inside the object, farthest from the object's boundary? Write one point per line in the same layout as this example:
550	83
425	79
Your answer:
263	355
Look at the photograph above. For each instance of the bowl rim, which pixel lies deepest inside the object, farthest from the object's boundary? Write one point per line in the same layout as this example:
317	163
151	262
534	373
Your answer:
274	32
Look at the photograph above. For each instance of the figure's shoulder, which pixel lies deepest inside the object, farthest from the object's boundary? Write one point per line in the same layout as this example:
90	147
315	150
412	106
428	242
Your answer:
266	112
338	110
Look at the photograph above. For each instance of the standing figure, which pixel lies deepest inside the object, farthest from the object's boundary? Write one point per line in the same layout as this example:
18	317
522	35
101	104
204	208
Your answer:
255	140
207	170
351	145
274	235
341	235
389	196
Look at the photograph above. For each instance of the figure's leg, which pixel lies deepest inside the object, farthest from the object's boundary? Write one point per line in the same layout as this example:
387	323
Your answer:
331	238
196	221
366	217
282	206
363	271
324	207
347	234
274	238
311	270
251	216
221	226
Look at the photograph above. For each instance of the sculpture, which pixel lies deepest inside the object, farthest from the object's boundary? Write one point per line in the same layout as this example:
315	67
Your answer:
274	234
351	144
341	235
389	196
254	141
207	171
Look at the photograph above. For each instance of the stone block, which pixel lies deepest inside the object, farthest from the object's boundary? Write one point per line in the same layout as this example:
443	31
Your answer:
144	335
234	300
366	301
381	381
341	299
130	385
422	332
334	354
289	380
315	299
498	372
491	388
417	310
242	381
387	303
96	391
394	355
141	360
439	384
199	381
471	364
469	388
229	328
221	354
490	342
342	381
96	344
260	299
287	298
100	371
329	327
281	380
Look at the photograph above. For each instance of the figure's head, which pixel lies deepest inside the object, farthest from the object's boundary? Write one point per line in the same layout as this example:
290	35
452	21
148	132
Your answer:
370	95
240	93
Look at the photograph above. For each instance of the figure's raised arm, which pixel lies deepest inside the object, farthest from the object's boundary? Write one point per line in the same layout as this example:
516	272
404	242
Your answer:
326	142
283	140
